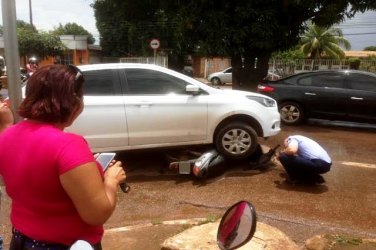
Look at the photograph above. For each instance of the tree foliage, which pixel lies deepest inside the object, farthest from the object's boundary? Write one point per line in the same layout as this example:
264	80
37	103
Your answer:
370	48
34	43
319	42
248	31
73	29
126	27
290	54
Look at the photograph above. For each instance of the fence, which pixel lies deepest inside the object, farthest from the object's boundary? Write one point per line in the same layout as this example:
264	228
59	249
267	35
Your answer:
205	66
289	67
159	60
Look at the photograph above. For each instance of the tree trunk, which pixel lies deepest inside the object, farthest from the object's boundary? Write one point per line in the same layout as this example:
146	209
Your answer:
249	70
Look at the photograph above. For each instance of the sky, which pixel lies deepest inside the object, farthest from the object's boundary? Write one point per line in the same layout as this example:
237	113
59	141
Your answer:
48	14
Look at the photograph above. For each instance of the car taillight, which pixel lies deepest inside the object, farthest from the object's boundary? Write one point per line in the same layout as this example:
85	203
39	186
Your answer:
263	88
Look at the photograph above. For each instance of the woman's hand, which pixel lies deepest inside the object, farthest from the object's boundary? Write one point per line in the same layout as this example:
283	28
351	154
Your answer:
115	173
6	116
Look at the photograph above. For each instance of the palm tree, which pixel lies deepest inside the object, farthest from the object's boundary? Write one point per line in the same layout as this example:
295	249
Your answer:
320	41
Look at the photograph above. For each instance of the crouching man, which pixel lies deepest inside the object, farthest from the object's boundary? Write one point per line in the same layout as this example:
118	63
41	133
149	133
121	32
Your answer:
304	160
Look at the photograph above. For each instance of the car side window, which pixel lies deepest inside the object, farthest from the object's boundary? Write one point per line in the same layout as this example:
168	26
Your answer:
362	82
99	83
151	82
229	70
322	80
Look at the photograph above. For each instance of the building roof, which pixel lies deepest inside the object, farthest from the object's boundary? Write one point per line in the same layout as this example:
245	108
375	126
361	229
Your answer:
351	53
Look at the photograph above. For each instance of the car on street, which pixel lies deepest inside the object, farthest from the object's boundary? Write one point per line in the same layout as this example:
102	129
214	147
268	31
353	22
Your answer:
139	106
342	95
221	77
225	76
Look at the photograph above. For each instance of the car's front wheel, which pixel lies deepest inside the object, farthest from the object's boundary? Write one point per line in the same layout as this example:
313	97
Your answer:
236	140
216	81
291	113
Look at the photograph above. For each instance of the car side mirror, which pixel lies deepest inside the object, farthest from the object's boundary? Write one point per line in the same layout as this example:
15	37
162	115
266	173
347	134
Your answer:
192	89
237	226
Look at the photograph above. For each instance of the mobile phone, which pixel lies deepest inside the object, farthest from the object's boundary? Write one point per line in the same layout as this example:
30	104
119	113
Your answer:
105	159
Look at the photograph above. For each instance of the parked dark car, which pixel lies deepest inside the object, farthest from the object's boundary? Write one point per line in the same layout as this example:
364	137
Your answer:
343	95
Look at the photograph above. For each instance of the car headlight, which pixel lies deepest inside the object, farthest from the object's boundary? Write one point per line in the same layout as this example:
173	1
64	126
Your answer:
267	102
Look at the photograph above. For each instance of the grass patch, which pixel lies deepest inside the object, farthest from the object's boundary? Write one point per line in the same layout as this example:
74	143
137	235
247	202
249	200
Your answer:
156	222
347	242
341	239
209	219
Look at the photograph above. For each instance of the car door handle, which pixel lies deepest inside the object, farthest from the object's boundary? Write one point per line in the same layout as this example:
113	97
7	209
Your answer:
356	98
143	104
309	93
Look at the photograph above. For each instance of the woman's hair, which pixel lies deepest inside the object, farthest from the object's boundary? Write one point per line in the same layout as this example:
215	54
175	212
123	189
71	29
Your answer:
53	93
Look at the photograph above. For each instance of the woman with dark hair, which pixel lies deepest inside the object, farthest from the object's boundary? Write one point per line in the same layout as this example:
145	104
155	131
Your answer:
59	192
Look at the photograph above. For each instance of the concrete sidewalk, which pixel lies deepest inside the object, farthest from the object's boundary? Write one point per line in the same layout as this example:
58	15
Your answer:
198	236
204	237
173	235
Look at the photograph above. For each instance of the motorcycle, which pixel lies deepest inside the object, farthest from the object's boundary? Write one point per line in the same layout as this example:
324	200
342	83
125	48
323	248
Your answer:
236	228
211	163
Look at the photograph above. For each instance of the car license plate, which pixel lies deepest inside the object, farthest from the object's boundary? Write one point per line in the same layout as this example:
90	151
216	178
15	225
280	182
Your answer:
184	167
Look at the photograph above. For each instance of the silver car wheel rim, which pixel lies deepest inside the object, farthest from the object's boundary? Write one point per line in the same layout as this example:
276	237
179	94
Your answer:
290	113
236	141
215	81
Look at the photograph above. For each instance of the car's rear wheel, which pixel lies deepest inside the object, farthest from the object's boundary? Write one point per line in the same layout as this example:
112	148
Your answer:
291	113
216	81
236	140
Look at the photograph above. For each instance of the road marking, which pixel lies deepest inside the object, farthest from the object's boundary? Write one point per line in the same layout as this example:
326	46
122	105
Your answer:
358	164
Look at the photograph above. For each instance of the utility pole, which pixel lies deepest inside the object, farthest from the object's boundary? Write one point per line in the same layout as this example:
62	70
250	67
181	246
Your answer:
12	55
31	14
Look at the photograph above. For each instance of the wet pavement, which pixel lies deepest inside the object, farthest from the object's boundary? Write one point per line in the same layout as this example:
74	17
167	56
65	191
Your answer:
345	204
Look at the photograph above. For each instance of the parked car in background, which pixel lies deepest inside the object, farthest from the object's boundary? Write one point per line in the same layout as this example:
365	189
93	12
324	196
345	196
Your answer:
139	106
221	77
225	76
344	95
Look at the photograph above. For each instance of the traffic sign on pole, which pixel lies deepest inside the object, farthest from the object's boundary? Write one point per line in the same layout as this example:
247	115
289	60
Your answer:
154	43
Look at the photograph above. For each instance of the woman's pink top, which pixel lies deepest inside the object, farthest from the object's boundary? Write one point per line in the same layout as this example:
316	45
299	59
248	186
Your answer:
32	157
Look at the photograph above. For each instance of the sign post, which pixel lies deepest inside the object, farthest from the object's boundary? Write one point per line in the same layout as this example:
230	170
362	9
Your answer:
154	44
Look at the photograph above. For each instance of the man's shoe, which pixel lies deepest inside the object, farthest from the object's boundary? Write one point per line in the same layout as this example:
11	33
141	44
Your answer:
320	179
292	181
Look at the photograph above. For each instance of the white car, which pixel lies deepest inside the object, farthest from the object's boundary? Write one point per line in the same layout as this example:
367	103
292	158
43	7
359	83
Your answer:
139	106
225	76
221	77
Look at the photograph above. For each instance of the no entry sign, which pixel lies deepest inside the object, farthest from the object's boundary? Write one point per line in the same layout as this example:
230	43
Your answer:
154	43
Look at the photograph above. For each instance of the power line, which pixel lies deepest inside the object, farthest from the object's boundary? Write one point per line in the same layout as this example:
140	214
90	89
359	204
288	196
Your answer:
355	34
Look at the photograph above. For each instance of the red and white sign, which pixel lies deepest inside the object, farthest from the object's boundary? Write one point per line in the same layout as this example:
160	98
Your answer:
154	43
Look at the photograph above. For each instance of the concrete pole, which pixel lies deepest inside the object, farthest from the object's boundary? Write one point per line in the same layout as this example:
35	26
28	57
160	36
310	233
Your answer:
31	14
12	57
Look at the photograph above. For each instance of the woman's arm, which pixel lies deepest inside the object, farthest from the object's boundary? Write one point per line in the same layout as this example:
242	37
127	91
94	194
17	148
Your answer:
6	116
94	198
